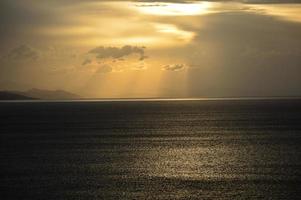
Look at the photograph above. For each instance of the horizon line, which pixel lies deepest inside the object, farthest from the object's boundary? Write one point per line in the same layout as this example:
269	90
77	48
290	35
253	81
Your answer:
152	99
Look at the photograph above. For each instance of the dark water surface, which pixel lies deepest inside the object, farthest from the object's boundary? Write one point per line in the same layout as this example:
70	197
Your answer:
151	150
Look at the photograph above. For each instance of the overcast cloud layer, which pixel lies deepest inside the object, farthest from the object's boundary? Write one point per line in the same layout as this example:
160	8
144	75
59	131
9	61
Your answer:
168	48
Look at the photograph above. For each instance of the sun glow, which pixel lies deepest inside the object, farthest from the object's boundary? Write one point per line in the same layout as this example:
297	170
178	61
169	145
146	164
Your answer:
174	31
290	12
174	9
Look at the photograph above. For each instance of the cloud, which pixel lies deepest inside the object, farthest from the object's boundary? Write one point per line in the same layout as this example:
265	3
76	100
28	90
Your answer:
140	66
260	58
23	52
143	57
242	1
87	61
104	69
118	53
174	67
270	1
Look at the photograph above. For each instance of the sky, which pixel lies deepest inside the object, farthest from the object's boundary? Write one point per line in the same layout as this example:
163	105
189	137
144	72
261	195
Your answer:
141	49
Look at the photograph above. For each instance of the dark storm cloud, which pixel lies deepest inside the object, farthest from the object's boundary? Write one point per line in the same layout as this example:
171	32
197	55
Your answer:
28	12
117	53
16	16
19	18
241	54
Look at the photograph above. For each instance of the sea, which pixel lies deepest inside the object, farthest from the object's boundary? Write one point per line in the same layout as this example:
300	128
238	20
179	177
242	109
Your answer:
150	149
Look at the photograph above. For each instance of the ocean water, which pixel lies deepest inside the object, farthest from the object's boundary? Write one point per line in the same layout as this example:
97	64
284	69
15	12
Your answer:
209	149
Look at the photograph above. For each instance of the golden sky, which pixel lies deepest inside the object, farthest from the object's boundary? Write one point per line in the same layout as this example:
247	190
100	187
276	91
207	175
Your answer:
152	49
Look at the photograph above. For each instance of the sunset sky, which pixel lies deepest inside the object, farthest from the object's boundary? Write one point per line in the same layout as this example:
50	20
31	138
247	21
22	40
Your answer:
164	48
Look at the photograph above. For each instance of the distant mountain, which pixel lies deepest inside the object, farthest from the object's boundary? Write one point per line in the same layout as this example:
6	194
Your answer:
7	95
37	94
50	94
